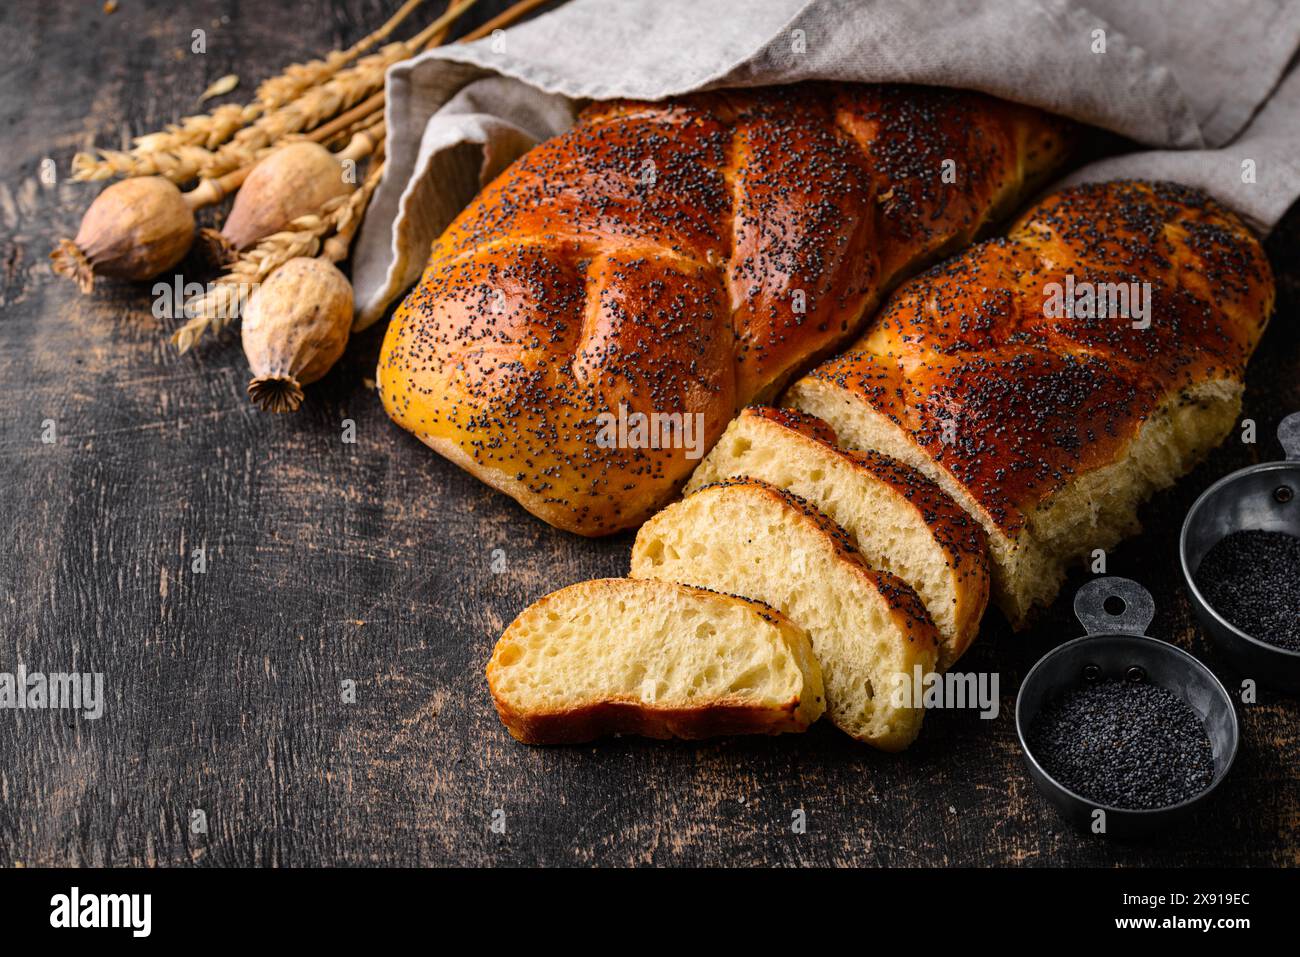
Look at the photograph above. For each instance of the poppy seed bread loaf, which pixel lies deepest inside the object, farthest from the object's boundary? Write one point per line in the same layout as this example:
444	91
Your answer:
868	629
679	260
1052	428
900	521
653	658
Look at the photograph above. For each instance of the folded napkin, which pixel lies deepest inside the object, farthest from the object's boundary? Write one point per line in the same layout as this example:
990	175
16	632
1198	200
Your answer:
1201	85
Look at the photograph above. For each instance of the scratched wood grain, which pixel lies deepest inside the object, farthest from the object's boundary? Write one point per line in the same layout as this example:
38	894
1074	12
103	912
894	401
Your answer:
373	562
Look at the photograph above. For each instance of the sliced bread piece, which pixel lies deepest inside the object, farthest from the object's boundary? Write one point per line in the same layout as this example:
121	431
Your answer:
617	656
900	521
869	630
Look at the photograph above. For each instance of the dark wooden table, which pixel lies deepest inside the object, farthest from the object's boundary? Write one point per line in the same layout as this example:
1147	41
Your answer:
373	562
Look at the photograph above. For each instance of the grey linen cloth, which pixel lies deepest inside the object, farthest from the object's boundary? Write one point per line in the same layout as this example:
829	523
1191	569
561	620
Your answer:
1202	85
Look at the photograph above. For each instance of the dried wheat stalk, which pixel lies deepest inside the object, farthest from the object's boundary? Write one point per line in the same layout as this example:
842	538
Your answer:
330	98
222	141
336	247
207	130
300	77
345	132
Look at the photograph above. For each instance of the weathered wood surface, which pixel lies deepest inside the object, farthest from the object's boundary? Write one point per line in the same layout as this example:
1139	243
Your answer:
373	562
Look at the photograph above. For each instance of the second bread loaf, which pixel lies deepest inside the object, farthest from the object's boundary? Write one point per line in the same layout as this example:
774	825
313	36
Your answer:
1053	380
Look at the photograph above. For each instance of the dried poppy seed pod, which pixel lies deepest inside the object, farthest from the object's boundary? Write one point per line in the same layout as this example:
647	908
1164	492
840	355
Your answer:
135	229
295	327
295	180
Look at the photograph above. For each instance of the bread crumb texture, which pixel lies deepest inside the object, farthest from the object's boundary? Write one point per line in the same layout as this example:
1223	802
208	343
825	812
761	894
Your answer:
649	657
867	627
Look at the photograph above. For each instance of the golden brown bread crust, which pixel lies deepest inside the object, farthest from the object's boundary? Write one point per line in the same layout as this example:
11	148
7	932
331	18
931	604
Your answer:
679	258
959	534
961	537
1014	405
589	723
795	420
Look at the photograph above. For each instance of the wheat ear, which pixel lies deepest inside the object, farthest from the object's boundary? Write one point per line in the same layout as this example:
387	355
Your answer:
300	77
235	136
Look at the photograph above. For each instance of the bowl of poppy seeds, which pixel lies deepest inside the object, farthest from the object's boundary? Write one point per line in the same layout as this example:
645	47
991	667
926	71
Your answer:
1240	553
1122	732
1124	743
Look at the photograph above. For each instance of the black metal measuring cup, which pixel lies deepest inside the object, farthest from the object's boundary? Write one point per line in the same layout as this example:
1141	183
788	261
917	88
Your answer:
1115	613
1263	497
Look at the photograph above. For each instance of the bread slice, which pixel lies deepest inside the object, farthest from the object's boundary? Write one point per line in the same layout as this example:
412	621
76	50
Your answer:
868	628
616	656
900	521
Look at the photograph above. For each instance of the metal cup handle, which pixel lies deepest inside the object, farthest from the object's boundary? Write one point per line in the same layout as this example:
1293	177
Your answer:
1090	607
1288	433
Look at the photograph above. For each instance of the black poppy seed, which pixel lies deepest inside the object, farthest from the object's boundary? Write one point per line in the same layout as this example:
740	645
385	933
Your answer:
1124	744
1252	578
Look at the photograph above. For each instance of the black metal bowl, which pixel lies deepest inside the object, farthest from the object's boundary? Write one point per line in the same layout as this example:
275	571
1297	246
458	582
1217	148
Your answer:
1114	645
1265	498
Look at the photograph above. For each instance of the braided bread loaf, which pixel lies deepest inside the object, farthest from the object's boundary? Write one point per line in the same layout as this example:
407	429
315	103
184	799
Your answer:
682	260
1051	429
